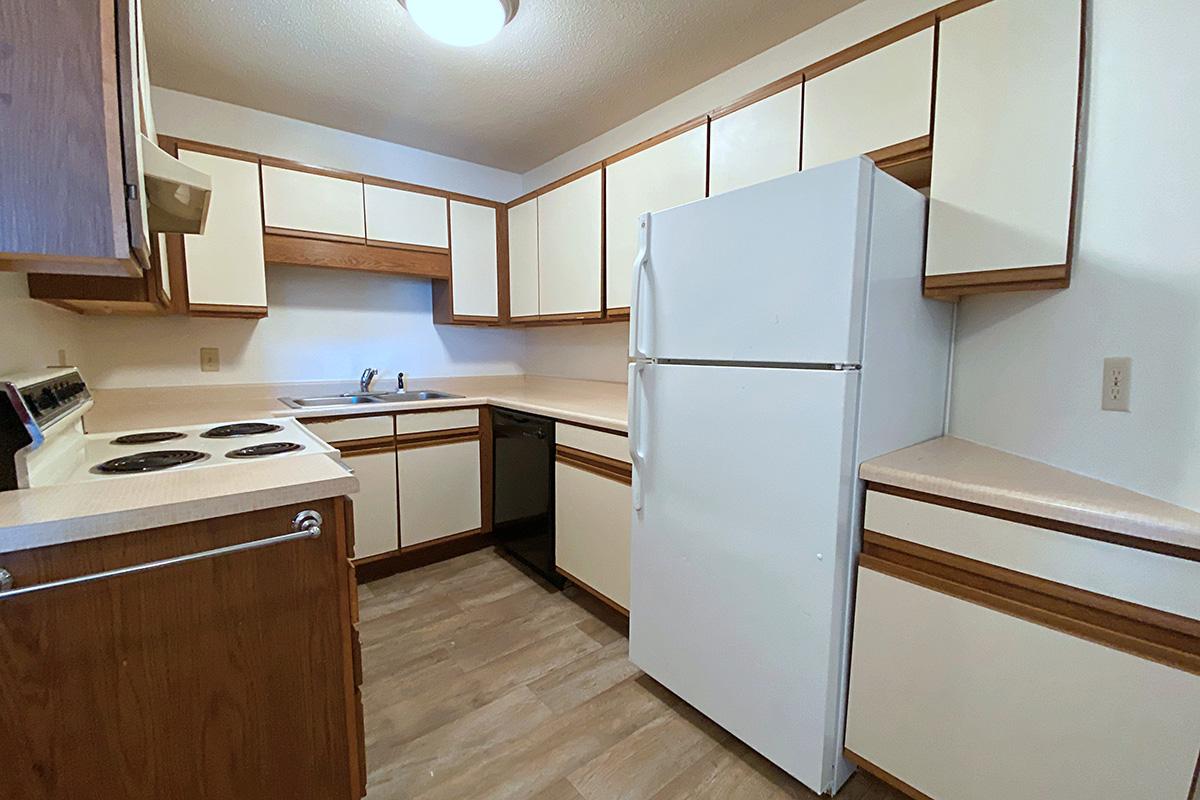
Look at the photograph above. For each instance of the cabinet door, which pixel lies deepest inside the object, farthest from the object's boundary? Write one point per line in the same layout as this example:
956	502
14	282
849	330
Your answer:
591	523
304	202
439	491
1004	137
396	216
668	174
569	248
960	701
756	143
225	265
375	518
473	262
875	101
523	259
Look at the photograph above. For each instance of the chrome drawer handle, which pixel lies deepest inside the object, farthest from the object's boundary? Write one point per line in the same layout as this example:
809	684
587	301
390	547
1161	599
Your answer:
306	525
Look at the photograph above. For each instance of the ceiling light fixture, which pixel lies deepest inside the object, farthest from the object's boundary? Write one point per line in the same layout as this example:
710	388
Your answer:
462	23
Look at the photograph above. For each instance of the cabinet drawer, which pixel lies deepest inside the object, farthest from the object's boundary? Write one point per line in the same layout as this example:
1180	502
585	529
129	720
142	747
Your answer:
439	491
963	702
295	201
420	422
350	429
396	216
592	521
612	445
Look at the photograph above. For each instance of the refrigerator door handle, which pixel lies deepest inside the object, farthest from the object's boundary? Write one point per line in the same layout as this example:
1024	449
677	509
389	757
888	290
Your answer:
639	269
637	453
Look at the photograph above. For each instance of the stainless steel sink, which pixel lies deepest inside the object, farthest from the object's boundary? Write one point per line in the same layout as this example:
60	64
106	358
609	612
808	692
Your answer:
356	398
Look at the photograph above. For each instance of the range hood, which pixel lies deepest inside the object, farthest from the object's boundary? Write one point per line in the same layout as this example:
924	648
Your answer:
177	195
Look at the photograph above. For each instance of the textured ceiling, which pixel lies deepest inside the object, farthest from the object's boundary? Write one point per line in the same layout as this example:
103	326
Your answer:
563	72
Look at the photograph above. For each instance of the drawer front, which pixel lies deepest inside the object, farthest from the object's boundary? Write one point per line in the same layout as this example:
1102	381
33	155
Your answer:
612	445
437	420
439	491
1150	579
592	520
351	429
963	702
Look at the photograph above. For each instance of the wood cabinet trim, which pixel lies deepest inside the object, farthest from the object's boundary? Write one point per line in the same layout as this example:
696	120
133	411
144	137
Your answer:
1070	528
1138	630
172	144
902	152
416	248
364	447
295	233
603	466
550	187
412	441
354	255
312	169
613	604
885	776
235	311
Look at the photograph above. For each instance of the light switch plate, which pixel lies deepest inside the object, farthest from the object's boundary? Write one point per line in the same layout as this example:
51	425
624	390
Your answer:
1118	376
210	359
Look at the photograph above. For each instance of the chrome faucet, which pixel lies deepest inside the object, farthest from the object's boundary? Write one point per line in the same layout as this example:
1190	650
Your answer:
364	383
400	383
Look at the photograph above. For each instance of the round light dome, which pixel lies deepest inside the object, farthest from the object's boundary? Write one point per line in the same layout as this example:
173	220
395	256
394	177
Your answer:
462	23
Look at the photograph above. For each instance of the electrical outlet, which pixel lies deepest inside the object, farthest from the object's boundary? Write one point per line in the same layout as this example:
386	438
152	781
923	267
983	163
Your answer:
210	359
62	358
1118	375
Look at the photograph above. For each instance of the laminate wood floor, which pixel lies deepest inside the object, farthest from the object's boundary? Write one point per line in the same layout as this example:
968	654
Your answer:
481	682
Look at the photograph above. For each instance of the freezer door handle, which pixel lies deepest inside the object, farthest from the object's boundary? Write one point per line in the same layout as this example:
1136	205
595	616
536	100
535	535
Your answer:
637	452
639	270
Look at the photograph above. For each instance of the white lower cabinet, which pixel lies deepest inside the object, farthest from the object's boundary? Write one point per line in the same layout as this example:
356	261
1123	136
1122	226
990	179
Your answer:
963	702
591	520
375	521
439	491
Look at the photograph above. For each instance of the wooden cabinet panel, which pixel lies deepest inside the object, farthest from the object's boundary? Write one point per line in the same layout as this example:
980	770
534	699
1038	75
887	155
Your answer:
592	521
668	174
569	250
473	262
523	259
223	677
960	701
439	491
402	217
307	202
756	143
225	265
1004	138
375	516
875	101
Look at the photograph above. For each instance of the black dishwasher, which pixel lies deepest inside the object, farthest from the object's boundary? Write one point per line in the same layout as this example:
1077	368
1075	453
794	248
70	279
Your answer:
523	489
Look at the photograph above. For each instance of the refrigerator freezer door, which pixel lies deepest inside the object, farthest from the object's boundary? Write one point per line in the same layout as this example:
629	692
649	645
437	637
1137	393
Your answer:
738	596
769	273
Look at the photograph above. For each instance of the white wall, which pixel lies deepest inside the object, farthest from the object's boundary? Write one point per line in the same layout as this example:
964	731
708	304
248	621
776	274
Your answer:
323	324
590	352
34	332
1028	367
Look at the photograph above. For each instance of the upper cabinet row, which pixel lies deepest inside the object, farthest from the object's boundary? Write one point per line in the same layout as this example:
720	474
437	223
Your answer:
978	108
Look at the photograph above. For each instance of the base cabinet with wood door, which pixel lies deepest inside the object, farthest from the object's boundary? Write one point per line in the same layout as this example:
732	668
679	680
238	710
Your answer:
995	658
231	675
367	445
592	506
440	475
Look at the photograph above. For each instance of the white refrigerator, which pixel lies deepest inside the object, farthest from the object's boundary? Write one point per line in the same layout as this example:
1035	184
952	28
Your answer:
779	337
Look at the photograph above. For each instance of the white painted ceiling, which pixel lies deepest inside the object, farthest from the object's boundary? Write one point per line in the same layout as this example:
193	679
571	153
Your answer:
563	72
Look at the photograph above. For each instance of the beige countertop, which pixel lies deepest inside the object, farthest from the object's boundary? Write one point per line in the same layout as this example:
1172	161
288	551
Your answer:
73	512
597	403
973	473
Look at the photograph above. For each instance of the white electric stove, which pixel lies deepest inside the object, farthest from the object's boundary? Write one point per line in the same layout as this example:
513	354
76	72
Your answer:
43	442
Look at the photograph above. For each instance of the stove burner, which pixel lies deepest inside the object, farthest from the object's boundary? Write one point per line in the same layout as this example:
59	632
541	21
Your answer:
241	429
149	461
268	449
150	437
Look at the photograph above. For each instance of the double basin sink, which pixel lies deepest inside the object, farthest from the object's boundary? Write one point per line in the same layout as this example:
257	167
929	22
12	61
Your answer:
357	398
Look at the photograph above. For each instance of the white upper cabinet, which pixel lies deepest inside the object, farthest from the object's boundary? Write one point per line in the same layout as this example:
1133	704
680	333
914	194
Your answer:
225	265
523	259
1004	137
307	202
397	216
756	143
569	247
473	259
875	101
668	174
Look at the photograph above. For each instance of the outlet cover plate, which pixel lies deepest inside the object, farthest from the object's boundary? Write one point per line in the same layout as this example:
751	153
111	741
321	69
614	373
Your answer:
210	359
1118	377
